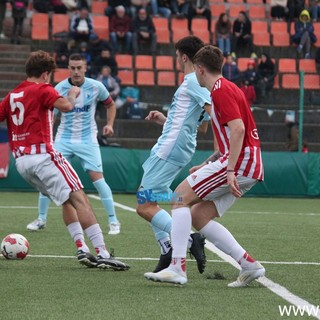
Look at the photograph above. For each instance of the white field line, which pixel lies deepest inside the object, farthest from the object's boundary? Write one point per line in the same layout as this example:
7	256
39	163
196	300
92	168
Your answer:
297	263
273	286
124	207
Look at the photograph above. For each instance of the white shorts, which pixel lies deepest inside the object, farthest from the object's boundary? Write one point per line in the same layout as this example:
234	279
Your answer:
210	184
51	174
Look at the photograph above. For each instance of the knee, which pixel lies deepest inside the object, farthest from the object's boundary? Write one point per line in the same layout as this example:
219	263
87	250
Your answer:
141	210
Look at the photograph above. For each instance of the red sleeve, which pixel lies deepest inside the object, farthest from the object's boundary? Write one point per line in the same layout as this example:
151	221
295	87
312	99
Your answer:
3	111
49	96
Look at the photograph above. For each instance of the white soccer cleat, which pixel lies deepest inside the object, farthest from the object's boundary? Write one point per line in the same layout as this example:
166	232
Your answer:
167	275
248	275
114	228
36	225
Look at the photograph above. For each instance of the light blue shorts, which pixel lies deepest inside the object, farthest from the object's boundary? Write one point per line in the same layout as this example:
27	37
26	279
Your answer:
88	154
158	174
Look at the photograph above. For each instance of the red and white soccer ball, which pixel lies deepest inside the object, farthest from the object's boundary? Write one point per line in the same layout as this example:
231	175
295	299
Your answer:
15	247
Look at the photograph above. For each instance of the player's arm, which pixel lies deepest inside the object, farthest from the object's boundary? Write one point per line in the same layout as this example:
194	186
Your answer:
214	157
111	112
3	114
157	117
66	104
203	128
237	132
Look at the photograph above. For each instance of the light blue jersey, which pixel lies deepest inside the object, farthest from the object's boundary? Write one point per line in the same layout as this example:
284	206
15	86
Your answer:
79	125
177	142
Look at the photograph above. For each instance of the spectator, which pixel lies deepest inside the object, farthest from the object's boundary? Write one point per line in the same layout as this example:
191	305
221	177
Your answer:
81	26
248	82
230	70
96	45
112	4
199	8
62	54
318	59
3	8
241	34
120	29
41	6
265	76
58	6
143	31
109	82
84	51
315	9
19	12
180	8
279	9
105	59
161	7
249	76
136	5
294	9
304	34
128	105
223	33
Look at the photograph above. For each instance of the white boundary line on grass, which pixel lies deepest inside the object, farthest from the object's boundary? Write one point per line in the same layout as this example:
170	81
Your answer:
273	286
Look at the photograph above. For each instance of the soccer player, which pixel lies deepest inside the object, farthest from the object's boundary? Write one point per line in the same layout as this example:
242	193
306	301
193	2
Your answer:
77	136
172	152
212	187
28	110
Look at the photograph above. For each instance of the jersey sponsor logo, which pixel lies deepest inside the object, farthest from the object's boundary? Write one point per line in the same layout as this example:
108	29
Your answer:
194	177
254	134
82	109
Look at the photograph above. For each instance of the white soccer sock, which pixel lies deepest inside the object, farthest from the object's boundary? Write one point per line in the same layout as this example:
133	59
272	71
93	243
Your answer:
77	235
223	239
94	233
181	227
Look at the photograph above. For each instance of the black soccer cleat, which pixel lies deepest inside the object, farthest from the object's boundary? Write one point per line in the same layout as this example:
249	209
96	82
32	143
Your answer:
197	250
164	261
111	263
86	259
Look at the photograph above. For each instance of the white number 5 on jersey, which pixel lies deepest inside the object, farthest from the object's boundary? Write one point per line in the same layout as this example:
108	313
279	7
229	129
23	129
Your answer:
17	120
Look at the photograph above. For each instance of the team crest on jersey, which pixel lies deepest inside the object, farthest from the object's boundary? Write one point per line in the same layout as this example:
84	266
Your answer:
217	85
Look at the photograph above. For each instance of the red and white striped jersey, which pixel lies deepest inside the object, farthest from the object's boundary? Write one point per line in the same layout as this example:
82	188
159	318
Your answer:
28	110
229	103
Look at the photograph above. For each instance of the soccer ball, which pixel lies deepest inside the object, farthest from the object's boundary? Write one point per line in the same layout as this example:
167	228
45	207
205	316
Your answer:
15	247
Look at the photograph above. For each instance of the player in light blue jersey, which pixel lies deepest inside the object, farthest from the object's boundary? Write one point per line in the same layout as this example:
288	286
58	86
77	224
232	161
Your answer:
172	152
77	136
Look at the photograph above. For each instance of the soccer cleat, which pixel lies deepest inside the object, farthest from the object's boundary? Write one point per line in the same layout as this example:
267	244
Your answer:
167	275
197	250
86	259
36	225
114	228
248	275
164	261
111	263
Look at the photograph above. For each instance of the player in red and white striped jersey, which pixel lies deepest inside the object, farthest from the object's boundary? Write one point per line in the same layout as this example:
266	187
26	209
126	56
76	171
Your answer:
28	110
213	187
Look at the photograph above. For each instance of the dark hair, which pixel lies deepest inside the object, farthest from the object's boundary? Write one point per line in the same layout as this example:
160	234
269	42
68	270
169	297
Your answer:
77	57
209	57
189	46
38	63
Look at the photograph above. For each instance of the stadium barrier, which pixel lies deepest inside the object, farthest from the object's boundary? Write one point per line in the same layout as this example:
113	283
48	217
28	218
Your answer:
289	174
